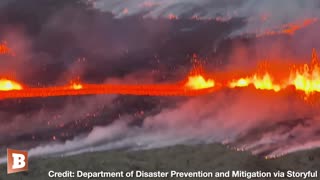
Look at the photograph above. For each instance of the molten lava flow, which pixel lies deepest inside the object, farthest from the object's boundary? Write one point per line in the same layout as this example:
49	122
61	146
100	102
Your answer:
264	83
307	78
196	85
242	82
199	82
8	85
304	78
292	28
289	29
76	86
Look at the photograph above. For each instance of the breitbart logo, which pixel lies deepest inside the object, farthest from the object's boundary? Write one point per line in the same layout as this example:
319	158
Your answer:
17	161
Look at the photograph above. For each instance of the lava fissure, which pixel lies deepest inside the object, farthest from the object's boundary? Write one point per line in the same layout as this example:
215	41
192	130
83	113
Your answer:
305	78
150	90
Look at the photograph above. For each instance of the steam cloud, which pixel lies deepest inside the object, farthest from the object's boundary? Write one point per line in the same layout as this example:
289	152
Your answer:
98	47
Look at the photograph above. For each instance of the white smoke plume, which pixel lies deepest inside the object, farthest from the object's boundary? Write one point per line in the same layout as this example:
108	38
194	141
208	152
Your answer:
264	123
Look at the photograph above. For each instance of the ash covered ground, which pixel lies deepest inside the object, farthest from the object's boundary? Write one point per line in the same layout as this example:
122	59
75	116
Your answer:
59	41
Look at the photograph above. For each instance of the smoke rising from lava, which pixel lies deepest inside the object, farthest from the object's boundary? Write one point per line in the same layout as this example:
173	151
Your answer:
265	123
100	48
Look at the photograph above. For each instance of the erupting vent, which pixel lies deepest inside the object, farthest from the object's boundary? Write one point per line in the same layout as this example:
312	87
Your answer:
303	77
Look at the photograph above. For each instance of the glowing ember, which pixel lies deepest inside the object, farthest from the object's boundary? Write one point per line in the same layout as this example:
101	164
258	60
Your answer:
307	78
172	16
289	29
292	28
199	82
76	86
263	83
4	49
8	85
242	82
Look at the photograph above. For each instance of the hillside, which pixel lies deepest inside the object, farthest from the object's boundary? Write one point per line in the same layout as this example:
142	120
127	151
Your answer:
213	157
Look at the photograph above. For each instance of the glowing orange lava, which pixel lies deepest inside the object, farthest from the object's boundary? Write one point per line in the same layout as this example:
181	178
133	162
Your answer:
304	77
8	85
264	83
290	28
199	82
307	77
76	86
242	82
